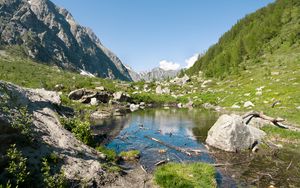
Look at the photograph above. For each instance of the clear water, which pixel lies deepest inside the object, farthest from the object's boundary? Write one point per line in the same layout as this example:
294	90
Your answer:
189	129
182	128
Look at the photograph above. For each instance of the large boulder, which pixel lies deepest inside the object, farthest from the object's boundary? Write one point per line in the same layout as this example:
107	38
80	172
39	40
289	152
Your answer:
80	163
103	96
80	93
230	133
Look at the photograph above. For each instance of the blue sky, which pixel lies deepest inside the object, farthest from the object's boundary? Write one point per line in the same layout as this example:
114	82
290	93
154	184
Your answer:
144	33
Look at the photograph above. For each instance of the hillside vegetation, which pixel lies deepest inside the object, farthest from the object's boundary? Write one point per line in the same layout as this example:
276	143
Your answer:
270	30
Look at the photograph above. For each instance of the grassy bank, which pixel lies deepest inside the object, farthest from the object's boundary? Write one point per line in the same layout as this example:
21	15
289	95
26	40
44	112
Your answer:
196	175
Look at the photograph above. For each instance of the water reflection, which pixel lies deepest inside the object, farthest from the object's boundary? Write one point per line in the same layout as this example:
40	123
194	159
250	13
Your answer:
178	127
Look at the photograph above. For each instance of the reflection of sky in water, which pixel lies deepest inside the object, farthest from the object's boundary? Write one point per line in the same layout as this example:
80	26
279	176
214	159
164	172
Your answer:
159	124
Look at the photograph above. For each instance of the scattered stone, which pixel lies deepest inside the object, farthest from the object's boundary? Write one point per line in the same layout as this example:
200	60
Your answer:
181	81
121	97
166	91
248	104
190	104
98	115
230	133
59	87
103	96
94	101
298	107
100	88
235	106
158	90
134	107
205	83
179	105
274	73
258	93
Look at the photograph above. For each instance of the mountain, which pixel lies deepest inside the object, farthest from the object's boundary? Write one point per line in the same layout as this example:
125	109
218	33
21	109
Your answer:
50	34
133	74
158	74
272	29
152	75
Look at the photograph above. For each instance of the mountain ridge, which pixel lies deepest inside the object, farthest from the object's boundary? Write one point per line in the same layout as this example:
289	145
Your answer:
50	34
267	30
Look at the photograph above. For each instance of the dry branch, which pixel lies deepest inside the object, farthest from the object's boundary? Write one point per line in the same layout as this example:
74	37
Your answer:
170	146
275	121
161	162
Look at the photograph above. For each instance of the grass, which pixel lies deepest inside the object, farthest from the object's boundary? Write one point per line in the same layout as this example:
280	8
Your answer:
194	175
282	133
27	73
130	155
111	155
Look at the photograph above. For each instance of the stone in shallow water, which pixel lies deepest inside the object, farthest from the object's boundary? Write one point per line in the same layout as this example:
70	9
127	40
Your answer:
230	133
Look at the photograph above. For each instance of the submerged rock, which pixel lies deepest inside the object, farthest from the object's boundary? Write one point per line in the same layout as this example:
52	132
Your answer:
230	133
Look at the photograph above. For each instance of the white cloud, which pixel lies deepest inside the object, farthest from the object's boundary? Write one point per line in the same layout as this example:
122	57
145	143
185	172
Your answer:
168	65
191	61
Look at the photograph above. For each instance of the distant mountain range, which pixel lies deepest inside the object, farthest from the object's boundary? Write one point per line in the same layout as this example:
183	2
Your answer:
50	34
156	74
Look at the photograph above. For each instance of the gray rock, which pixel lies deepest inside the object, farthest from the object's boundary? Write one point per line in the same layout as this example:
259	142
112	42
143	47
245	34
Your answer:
181	81
59	87
179	105
190	104
121	97
230	133
158	90
134	107
100	88
248	104
235	106
166	90
76	94
94	101
51	137
103	97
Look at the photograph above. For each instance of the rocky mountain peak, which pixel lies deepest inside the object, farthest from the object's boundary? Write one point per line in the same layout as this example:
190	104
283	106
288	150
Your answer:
50	34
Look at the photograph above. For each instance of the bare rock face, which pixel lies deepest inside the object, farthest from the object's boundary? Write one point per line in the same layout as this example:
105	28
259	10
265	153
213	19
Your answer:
50	34
230	133
80	162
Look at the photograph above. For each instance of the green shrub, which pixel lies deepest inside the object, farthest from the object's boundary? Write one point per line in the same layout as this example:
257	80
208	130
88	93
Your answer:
50	179
194	175
23	121
110	154
17	168
81	129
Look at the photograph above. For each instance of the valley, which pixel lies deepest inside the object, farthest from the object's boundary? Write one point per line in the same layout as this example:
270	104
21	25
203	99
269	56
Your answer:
87	120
